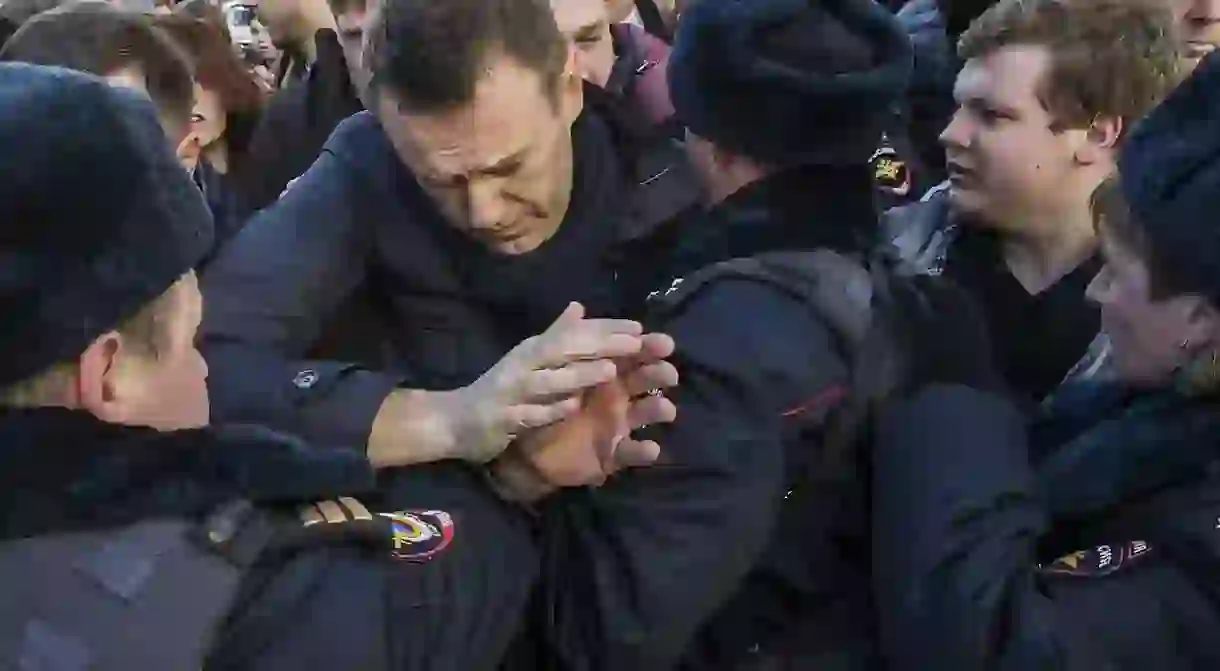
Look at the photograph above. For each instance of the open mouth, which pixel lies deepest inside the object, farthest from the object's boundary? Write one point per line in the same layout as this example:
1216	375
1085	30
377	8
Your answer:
958	174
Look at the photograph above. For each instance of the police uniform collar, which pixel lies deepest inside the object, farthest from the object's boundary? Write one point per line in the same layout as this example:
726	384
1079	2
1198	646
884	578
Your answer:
803	208
63	469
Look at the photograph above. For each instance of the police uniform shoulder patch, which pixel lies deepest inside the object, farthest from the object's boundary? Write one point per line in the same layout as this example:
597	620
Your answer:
409	535
419	535
1099	561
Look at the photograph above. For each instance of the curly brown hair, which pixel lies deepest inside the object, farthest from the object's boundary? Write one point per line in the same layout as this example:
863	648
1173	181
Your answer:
1109	58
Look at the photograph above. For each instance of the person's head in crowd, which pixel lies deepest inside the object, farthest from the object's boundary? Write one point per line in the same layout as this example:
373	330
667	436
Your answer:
478	98
351	19
1198	26
122	47
772	84
959	14
14	14
1048	91
102	228
1160	290
228	100
292	24
205	11
585	25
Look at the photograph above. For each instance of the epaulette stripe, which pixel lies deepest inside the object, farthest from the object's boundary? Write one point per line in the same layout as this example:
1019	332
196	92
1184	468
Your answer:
310	516
356	508
332	511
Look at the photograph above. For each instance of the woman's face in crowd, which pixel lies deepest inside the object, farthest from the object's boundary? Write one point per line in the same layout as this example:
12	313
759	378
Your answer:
1005	161
208	121
1199	23
1151	338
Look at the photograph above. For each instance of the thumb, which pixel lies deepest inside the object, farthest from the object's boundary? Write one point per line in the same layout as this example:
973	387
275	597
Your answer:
570	316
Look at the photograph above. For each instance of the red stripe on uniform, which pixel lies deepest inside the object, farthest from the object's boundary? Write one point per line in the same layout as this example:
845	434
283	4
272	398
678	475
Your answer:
830	396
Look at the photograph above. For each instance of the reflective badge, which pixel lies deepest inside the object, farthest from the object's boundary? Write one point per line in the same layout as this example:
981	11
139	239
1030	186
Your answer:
289	185
673	286
890	172
1099	561
419	535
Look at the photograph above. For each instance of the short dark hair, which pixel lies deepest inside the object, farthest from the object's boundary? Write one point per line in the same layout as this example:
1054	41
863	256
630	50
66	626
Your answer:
100	39
431	54
147	333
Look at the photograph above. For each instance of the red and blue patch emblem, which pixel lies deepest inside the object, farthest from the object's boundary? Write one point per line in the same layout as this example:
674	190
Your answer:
419	535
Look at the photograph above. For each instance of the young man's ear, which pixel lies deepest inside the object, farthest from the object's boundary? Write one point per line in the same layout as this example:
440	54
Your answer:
1204	321
571	90
1100	140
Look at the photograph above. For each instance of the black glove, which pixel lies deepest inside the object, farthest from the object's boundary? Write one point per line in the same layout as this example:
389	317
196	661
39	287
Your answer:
941	334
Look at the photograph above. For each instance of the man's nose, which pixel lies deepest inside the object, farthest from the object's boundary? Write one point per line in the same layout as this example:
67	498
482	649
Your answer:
486	205
955	135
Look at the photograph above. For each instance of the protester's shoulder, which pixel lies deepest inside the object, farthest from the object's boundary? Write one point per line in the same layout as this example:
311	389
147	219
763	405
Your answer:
357	149
360	138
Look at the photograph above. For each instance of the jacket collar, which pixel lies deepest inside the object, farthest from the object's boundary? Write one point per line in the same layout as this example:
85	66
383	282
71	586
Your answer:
1104	444
62	469
805	208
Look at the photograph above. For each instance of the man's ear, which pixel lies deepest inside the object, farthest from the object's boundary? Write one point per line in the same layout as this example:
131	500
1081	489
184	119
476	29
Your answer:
1203	320
99	387
1100	140
571	90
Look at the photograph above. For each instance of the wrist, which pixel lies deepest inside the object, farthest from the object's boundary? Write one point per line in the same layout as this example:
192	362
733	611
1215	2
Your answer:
514	481
413	427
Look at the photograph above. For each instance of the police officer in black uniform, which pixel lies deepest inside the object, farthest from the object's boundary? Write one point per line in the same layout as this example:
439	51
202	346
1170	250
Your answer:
749	544
133	536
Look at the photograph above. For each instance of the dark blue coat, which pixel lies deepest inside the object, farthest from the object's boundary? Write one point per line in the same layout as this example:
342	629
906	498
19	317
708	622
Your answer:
356	235
727	551
1096	546
338	603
